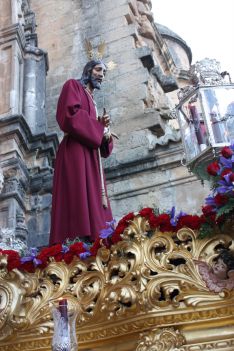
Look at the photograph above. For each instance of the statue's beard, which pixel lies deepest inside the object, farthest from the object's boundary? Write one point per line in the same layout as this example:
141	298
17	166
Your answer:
95	83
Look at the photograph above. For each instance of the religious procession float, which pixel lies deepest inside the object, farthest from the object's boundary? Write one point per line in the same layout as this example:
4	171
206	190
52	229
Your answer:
154	280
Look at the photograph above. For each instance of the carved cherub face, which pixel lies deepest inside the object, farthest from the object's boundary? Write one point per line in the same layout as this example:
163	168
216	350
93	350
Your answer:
220	269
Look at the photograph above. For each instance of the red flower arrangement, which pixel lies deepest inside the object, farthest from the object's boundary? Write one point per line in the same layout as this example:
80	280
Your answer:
226	152
219	204
213	168
59	252
122	225
212	215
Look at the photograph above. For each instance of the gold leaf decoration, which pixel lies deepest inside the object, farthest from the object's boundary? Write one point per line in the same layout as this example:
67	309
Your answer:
147	279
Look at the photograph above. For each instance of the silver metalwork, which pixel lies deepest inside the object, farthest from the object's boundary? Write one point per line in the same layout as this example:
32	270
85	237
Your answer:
206	72
206	116
8	241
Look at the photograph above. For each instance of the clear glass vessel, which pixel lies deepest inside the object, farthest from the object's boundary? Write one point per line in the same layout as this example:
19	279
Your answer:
64	338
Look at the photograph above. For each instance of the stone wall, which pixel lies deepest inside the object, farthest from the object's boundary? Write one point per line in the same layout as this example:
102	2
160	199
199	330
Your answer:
139	95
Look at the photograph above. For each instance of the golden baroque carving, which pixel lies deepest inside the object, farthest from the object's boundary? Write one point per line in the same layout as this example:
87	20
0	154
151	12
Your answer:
166	339
221	345
147	279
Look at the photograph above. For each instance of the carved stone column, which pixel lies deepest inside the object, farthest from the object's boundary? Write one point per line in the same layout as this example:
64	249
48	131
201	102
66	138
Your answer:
26	150
12	42
35	69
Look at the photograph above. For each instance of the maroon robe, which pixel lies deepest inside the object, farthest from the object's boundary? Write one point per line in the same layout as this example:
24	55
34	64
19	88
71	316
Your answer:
77	209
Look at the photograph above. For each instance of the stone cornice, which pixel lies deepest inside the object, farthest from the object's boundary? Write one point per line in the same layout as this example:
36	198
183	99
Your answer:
44	143
160	159
11	33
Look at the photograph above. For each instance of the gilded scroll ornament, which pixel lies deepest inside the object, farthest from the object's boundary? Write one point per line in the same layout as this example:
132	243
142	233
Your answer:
165	339
149	278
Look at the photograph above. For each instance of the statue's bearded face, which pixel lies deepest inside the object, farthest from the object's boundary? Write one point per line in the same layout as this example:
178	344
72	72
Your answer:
97	75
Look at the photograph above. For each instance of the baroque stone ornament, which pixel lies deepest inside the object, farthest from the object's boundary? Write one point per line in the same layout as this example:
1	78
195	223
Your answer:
148	279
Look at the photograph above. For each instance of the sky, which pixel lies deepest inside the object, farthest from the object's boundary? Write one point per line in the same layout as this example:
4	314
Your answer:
207	26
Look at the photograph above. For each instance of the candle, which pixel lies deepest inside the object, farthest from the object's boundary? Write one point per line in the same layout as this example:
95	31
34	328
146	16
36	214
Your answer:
63	308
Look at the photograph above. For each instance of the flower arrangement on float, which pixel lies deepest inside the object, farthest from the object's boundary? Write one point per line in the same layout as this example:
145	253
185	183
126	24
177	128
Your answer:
215	213
219	205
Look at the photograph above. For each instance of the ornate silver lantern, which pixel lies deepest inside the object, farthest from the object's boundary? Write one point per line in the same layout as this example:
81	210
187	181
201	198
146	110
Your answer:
206	115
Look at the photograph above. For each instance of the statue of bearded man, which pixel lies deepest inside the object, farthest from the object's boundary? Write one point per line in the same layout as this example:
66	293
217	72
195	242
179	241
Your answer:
80	207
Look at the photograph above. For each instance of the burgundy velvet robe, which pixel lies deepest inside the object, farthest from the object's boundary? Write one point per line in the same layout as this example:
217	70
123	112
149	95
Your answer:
77	209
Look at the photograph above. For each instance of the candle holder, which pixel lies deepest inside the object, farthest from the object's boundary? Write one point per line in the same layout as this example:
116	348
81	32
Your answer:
64	338
206	116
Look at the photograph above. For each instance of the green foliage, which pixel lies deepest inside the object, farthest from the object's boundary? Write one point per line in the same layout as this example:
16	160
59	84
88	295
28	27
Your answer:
225	209
206	230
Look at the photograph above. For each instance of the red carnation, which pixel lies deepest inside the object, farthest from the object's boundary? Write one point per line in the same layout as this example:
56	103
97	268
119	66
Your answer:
52	251
28	267
203	219
153	221
208	210
128	217
116	238
74	250
193	222
213	168
220	199
163	218
226	152
208	217
59	257
167	227
77	248
119	230
13	259
164	223
68	257
146	212
226	171
96	246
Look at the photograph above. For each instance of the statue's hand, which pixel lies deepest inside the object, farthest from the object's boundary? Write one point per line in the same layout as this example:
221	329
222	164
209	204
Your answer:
105	119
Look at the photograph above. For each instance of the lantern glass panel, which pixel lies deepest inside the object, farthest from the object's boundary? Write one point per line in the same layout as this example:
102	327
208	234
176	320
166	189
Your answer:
218	104
193	127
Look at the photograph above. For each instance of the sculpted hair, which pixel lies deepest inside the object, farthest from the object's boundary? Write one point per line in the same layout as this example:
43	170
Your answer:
228	258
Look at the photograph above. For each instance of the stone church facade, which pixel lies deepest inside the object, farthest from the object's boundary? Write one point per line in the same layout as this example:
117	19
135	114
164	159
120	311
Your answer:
41	46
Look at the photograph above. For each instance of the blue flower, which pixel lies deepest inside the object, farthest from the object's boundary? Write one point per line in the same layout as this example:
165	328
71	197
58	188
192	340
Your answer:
226	185
210	201
84	255
65	248
174	219
31	257
109	230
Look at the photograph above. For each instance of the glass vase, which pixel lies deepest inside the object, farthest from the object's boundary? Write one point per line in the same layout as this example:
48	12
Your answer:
64	338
